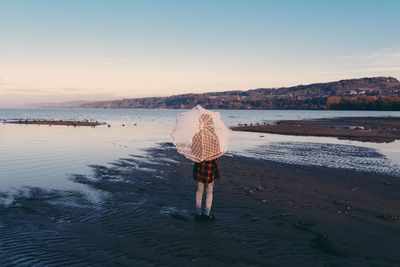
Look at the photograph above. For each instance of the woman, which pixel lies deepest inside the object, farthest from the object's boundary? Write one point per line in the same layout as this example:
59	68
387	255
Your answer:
205	144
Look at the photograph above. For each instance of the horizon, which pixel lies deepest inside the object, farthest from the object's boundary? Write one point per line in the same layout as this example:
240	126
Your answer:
40	105
61	51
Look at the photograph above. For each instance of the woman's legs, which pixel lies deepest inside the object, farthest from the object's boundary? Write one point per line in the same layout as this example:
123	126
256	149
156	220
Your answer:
199	197
209	199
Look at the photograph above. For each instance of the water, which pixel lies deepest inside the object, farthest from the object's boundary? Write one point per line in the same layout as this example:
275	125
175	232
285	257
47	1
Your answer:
32	155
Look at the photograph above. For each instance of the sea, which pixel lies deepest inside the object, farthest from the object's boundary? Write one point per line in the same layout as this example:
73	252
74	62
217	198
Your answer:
46	156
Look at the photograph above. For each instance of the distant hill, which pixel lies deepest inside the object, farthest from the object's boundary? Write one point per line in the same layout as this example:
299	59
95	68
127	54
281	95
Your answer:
376	93
69	104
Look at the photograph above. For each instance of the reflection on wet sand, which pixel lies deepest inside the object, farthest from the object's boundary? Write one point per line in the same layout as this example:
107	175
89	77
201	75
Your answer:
267	213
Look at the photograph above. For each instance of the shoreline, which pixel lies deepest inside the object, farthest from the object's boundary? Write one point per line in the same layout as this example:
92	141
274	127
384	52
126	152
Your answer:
267	213
364	129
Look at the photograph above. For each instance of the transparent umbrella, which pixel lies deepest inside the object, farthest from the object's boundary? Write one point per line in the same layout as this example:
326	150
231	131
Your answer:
200	134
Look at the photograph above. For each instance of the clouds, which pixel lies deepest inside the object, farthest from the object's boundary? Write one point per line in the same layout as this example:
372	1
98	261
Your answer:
22	97
385	57
3	82
108	63
24	91
384	62
60	90
73	89
18	99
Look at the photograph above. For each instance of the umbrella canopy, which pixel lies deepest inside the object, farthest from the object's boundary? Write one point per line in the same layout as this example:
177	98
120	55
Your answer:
200	134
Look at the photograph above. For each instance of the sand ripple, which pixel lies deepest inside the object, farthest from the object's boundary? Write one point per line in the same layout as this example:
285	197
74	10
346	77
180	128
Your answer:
328	155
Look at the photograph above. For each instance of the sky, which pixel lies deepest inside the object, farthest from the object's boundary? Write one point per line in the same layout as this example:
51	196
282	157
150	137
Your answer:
65	50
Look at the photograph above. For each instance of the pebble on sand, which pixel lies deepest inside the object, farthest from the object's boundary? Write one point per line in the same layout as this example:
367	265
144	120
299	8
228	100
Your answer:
255	218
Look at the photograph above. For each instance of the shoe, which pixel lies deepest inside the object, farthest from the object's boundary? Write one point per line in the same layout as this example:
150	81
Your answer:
208	217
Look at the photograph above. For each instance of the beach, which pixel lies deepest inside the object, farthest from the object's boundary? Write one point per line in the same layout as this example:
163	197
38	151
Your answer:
113	114
364	129
267	214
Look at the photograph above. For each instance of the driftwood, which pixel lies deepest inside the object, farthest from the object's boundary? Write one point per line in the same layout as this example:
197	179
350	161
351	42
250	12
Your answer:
73	123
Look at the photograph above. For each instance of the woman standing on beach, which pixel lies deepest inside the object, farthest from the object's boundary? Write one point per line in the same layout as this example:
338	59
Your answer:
201	136
205	142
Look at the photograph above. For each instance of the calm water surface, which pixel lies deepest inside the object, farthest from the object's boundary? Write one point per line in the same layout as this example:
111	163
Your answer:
32	155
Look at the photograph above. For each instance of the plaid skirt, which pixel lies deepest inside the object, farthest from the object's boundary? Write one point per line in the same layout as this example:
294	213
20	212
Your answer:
206	171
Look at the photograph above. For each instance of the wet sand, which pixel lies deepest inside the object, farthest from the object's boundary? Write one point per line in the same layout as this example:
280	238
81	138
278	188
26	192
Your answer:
267	214
364	129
